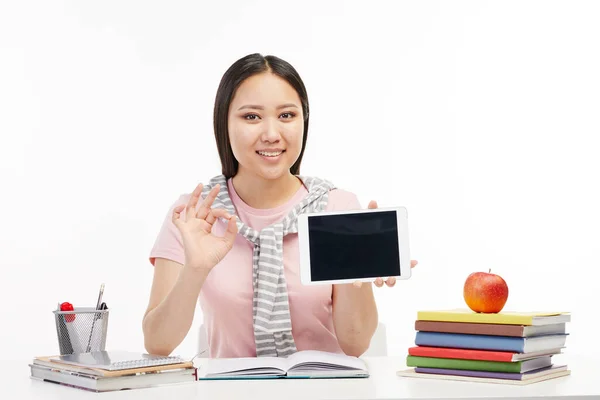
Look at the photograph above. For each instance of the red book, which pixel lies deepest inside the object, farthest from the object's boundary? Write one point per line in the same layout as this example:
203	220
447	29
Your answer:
468	354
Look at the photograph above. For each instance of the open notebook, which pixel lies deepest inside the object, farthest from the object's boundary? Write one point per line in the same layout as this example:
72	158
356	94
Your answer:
303	364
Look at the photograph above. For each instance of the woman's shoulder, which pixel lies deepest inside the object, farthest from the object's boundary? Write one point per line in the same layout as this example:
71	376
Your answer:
180	199
342	199
338	198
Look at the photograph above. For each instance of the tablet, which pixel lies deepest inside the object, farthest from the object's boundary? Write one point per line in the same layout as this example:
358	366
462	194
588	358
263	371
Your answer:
357	245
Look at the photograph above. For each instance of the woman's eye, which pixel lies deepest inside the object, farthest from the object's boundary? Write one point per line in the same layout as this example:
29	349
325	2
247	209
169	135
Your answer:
251	117
288	115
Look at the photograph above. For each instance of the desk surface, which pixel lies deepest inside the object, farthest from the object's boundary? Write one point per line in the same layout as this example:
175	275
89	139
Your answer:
583	383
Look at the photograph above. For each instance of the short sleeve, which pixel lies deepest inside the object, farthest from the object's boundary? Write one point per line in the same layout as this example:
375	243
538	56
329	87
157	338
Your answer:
342	200
168	243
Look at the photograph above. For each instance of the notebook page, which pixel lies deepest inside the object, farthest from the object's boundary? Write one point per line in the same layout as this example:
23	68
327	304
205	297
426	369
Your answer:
319	360
220	366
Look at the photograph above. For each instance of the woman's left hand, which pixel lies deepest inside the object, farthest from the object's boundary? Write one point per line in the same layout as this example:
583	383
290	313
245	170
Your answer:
379	281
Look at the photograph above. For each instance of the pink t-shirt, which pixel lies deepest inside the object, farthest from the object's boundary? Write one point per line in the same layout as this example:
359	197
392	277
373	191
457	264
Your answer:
226	296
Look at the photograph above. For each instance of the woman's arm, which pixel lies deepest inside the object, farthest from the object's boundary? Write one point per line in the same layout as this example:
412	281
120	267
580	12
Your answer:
355	317
170	312
176	287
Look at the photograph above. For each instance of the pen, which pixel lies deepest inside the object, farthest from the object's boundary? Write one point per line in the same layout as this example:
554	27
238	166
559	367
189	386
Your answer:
96	316
100	297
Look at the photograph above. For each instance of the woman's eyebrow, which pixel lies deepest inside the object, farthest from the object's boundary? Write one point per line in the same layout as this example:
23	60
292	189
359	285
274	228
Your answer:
257	107
251	106
287	105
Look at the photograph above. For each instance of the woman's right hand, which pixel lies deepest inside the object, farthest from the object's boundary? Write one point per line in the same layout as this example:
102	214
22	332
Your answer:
203	250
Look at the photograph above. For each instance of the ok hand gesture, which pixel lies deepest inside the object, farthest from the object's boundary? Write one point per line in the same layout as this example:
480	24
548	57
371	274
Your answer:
203	250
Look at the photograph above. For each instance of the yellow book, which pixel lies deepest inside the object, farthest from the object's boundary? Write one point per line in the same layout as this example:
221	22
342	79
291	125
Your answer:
503	317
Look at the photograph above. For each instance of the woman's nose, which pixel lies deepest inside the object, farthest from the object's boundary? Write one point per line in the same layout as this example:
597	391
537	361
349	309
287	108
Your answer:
271	131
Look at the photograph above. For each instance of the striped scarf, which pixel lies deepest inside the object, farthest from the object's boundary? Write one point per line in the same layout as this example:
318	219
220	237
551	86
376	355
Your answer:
271	313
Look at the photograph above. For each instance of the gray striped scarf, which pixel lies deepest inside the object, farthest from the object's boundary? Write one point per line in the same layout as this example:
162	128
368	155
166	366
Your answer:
271	313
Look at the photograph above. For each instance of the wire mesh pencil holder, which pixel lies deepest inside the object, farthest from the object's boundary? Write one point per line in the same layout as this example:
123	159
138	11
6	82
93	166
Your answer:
82	330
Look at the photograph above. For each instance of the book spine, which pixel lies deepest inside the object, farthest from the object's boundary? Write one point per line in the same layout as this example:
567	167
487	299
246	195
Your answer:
489	318
466	354
464	341
470	328
473	365
474	374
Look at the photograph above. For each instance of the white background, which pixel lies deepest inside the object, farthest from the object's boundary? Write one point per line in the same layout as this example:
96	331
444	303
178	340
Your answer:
480	117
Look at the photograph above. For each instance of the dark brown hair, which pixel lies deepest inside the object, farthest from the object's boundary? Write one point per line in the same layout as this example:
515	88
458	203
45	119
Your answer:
239	71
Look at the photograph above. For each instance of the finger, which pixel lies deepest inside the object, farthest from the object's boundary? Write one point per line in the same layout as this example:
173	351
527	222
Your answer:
390	282
372	204
177	214
378	282
413	263
231	231
216	213
205	206
357	284
205	226
191	205
210	218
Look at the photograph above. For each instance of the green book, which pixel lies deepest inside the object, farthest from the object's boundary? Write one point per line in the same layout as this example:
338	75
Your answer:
480	365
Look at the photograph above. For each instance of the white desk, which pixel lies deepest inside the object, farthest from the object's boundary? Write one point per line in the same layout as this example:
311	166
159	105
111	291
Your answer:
583	383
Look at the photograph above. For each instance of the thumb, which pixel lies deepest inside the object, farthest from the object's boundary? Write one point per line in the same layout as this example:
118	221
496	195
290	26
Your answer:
372	204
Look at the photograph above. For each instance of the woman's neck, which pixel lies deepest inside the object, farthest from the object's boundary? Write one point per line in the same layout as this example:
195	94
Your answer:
263	193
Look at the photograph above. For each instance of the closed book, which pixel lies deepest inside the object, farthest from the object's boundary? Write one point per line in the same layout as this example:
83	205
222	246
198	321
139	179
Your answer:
495	375
470	354
95	383
51	362
411	373
488	342
490	329
504	317
479	365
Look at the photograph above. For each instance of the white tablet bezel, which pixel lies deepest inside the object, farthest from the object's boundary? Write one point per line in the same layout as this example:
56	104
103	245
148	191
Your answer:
304	248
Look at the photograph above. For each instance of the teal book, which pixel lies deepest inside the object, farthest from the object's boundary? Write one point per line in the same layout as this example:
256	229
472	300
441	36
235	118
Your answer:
300	365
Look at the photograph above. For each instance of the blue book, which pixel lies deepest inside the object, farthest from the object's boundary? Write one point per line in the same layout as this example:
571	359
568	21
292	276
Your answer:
489	342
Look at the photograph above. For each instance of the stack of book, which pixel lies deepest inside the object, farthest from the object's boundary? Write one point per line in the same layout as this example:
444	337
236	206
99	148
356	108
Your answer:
506	347
101	372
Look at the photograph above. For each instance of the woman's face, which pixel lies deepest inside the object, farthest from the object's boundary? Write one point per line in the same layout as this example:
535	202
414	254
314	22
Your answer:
266	126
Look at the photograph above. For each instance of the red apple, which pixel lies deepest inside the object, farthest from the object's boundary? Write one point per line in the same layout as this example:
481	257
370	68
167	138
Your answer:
485	292
66	306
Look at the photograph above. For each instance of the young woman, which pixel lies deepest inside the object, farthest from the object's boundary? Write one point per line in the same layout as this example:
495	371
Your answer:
231	244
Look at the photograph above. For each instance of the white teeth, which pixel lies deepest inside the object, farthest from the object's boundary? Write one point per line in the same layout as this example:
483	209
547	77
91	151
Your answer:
269	154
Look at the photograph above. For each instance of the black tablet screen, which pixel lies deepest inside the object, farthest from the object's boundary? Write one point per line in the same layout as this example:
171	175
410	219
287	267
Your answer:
354	246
